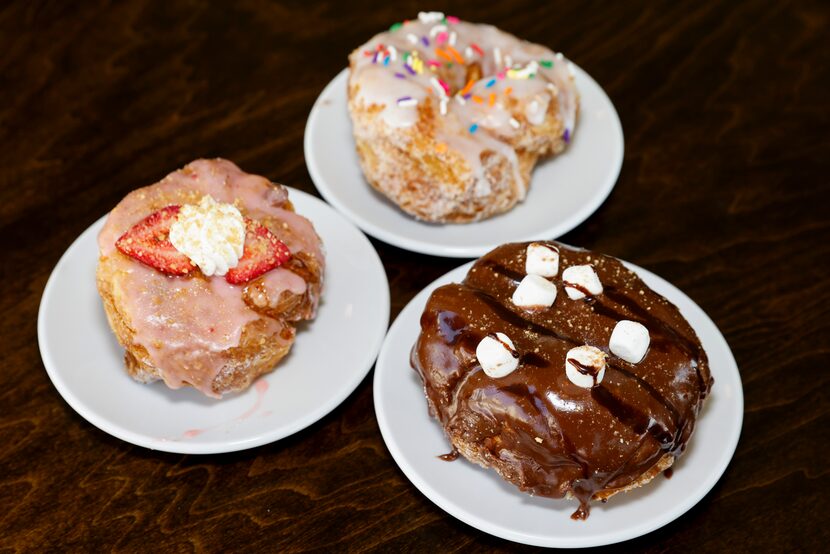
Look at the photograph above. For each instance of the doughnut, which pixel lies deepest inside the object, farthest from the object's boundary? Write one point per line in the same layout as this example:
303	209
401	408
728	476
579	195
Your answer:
449	117
583	393
189	328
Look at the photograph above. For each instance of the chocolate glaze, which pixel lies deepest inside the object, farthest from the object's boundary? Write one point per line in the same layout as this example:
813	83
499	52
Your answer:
536	428
450	456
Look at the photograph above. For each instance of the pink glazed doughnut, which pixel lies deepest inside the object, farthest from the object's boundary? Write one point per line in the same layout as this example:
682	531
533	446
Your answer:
202	331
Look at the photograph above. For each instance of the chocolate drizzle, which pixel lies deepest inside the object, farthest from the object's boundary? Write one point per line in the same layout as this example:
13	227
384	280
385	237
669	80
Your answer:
585	369
450	456
580	288
543	433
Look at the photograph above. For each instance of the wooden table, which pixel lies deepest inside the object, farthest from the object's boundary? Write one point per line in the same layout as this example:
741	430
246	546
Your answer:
724	192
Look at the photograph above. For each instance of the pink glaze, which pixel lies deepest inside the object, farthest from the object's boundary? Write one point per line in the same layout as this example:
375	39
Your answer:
186	323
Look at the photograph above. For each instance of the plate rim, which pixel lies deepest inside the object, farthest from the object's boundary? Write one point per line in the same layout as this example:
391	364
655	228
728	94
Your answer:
216	446
440	500
413	245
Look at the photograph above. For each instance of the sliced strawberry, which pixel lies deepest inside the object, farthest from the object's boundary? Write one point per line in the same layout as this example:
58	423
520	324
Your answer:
148	241
262	253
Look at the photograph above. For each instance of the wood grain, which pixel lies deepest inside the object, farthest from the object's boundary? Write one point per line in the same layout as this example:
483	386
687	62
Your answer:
724	191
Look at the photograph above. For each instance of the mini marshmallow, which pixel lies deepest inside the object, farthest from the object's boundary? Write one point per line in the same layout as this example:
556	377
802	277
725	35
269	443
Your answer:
497	355
534	292
629	341
592	362
585	278
542	259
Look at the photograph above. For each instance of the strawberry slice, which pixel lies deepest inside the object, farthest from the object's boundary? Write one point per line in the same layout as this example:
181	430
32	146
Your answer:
262	253
148	241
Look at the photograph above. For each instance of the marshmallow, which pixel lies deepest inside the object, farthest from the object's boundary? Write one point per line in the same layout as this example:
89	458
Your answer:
497	355
542	259
534	292
585	366
629	341
585	278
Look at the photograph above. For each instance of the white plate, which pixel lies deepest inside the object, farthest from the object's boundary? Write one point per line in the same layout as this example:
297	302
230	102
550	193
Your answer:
482	499
564	190
331	356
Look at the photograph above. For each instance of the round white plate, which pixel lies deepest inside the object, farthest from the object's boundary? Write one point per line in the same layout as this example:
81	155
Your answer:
482	499
330	357
564	190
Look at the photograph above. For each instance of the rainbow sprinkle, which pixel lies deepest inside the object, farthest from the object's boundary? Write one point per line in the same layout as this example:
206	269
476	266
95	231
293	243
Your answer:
441	147
443	55
407	101
567	136
437	30
438	86
442	40
455	54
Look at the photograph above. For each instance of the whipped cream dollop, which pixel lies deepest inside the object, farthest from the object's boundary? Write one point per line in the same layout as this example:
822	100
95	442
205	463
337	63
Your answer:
585	366
497	355
211	234
629	341
580	281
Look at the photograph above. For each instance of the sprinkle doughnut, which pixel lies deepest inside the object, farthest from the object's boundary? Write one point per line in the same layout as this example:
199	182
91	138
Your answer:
450	117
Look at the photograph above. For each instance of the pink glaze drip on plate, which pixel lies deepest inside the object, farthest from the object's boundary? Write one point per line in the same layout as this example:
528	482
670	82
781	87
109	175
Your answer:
261	387
186	324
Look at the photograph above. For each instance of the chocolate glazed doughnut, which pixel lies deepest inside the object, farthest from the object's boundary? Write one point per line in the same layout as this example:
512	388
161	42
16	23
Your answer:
534	426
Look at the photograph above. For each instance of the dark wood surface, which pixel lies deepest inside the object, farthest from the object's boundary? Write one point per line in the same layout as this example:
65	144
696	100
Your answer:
724	192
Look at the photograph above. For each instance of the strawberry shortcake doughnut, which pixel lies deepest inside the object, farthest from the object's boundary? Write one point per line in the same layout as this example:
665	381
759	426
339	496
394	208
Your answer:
450	117
204	276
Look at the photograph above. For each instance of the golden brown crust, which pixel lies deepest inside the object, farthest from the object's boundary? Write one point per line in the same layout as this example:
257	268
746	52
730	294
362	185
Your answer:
258	351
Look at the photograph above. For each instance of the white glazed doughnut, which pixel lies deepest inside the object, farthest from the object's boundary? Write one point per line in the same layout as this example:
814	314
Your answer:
450	117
